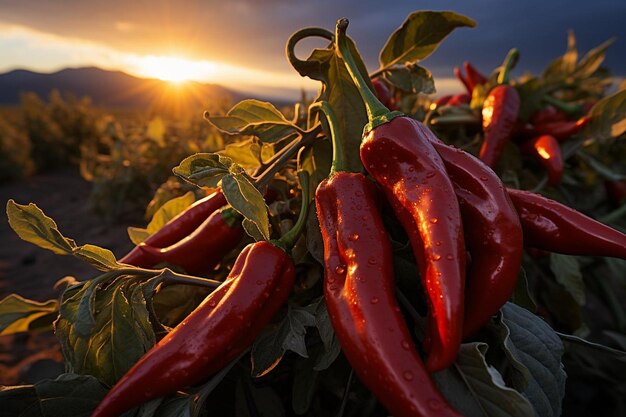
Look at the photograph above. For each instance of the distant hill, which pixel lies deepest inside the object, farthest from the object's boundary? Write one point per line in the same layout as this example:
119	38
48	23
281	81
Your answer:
114	89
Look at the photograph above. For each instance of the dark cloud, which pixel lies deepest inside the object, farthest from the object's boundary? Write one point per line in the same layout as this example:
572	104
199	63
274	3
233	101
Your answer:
253	32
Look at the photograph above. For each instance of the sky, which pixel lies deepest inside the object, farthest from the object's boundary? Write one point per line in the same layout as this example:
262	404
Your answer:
240	43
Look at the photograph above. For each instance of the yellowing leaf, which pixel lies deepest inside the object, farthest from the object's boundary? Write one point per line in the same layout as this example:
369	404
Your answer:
17	314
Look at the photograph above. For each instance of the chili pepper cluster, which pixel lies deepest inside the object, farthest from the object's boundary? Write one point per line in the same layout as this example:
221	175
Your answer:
538	138
467	231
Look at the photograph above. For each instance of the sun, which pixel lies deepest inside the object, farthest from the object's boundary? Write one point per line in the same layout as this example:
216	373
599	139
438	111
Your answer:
175	69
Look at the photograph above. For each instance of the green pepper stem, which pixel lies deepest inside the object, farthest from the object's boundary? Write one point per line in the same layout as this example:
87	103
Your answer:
300	35
509	62
377	113
561	105
339	160
288	240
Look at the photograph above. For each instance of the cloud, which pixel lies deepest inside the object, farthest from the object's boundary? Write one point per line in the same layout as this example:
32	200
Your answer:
252	33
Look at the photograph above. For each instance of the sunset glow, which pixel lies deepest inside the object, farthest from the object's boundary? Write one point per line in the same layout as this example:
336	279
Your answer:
175	69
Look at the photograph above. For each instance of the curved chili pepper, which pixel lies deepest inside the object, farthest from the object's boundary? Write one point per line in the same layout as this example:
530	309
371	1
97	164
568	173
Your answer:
547	151
216	332
561	130
176	229
202	250
493	235
459	99
382	92
552	226
397	152
359	293
548	114
464	81
474	77
441	101
500	110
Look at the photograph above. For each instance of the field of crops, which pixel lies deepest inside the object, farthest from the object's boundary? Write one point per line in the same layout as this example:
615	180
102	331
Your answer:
380	249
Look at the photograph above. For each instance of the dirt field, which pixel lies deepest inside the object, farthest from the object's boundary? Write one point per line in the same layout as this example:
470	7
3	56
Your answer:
31	272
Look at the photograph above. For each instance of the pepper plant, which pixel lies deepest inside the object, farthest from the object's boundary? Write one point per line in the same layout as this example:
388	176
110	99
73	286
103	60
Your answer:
425	282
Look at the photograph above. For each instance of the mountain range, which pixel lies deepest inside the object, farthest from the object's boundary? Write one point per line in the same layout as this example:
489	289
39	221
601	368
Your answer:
113	89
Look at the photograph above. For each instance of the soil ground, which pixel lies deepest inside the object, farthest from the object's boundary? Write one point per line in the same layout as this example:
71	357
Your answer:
31	272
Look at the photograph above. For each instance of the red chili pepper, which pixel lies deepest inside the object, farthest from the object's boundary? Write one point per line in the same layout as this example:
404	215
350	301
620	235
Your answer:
464	81
398	153
493	235
203	249
616	191
552	226
500	111
459	99
548	115
215	333
176	229
474	77
359	292
441	101
561	130
382	92
547	151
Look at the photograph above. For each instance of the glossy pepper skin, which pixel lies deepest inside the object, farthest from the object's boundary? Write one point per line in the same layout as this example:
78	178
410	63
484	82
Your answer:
400	156
441	101
561	130
359	292
547	151
554	227
500	111
493	235
383	93
176	229
222	327
203	249
474	77
459	99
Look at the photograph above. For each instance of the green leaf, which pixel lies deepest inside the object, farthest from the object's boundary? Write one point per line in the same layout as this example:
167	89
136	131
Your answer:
256	118
567	273
608	117
119	334
137	234
412	79
332	347
419	36
99	258
67	395
591	62
17	314
477	389
534	344
33	226
604	171
565	65
246	153
521	293
340	92
269	348
599	363
243	196
203	169
168	211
